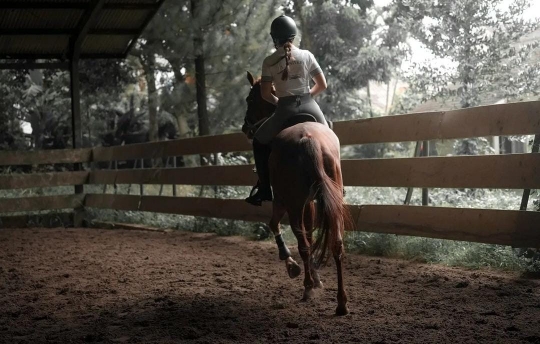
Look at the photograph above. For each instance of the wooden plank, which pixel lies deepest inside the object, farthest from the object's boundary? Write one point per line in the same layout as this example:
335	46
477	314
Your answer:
208	207
49	220
513	171
25	181
503	227
206	175
501	119
197	145
53	156
13	205
505	119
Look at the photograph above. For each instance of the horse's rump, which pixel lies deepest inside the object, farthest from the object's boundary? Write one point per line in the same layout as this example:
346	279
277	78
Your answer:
305	166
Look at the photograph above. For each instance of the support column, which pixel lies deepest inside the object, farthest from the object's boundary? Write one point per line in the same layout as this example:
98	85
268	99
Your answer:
75	103
88	19
76	130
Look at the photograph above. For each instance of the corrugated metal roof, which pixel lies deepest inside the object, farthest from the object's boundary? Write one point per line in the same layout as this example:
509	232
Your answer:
122	19
103	45
33	29
32	44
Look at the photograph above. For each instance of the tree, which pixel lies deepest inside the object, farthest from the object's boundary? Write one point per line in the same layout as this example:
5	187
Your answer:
353	46
478	42
215	41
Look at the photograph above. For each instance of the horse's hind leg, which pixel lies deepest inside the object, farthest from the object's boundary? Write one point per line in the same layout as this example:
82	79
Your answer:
293	269
342	295
304	248
309	220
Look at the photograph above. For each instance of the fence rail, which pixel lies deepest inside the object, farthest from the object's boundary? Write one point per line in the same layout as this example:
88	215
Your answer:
493	120
59	156
18	205
480	225
197	145
515	171
27	181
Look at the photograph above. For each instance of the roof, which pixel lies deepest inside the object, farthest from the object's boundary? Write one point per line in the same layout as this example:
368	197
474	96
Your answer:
39	29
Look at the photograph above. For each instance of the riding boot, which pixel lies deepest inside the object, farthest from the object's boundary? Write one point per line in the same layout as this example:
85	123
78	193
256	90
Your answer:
263	192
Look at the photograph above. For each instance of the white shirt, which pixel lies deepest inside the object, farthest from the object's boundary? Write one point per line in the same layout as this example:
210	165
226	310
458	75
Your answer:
302	68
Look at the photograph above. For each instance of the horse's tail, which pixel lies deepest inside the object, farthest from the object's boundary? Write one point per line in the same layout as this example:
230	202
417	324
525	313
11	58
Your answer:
332	214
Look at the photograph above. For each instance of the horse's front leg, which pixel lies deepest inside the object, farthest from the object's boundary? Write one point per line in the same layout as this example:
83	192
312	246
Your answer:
309	219
293	269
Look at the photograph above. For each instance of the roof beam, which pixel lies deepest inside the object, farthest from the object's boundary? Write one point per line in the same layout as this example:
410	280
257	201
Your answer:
44	5
87	19
60	32
143	27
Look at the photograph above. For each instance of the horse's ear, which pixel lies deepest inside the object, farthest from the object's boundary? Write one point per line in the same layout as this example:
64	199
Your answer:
250	78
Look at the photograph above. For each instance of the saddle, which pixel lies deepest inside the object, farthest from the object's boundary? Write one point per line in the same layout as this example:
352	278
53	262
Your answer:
297	119
302	118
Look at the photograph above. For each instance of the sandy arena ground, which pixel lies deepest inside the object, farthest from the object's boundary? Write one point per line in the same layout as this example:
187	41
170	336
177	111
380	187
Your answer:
130	286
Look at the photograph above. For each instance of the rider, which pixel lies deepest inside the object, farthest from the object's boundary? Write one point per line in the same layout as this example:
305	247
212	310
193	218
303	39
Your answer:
289	69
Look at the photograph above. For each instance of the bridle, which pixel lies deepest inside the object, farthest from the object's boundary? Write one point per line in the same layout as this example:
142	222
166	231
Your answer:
252	127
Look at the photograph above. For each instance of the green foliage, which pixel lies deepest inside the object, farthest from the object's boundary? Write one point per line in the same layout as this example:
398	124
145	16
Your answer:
480	54
479	44
234	38
453	253
353	45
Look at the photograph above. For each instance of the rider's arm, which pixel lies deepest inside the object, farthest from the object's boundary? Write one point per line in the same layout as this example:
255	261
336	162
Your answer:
320	84
266	83
317	76
266	92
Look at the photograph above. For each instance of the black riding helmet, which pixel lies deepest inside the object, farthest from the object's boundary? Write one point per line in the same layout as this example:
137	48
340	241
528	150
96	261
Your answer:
283	28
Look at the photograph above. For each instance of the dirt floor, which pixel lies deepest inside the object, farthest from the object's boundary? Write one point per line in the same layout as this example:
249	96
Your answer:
130	286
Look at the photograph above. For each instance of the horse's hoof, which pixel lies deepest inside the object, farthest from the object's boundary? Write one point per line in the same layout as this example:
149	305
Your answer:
342	310
293	269
309	293
318	285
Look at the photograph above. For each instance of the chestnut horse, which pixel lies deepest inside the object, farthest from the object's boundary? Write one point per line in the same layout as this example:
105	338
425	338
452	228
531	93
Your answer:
305	174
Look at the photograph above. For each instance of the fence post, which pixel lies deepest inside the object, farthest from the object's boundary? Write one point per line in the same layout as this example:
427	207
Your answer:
166	166
425	192
527	192
417	151
141	186
174	185
78	212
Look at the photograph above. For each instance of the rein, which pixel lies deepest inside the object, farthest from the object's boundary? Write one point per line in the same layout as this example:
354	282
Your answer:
252	128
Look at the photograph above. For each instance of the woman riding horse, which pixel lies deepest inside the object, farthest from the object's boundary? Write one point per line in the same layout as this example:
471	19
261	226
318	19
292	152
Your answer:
289	70
303	166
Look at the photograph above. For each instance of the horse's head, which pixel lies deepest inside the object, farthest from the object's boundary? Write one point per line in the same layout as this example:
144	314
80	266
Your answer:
258	109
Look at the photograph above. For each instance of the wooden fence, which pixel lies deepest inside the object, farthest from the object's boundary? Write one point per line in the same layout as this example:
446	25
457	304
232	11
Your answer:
513	171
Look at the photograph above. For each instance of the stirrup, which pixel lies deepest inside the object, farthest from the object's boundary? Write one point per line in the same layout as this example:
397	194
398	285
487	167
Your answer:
257	195
330	124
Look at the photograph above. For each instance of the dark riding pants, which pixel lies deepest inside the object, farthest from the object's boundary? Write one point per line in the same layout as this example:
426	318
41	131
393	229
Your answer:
286	108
